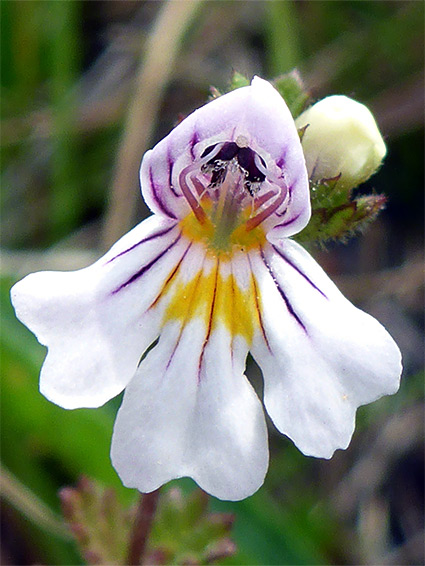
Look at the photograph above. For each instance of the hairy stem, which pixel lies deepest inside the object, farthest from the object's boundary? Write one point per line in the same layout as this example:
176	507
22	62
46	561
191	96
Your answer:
143	521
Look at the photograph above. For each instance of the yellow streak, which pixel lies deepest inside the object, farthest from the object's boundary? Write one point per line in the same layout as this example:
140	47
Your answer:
214	296
239	240
215	299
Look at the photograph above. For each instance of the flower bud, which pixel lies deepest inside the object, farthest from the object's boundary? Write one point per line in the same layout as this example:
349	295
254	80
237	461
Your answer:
341	138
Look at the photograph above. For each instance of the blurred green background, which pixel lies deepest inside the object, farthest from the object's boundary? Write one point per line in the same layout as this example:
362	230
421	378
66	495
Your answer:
79	81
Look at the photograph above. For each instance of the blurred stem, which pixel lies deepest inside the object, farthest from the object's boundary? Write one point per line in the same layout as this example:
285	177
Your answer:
20	497
143	522
160	55
25	50
284	51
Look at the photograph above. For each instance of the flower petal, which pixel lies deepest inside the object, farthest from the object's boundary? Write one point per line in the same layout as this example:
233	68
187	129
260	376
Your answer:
321	357
190	411
258	115
96	322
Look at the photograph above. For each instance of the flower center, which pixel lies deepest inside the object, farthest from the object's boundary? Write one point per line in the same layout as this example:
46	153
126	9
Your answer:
231	193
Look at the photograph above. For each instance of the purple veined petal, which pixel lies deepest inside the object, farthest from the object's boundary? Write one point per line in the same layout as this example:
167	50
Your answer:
189	411
97	322
253	117
323	357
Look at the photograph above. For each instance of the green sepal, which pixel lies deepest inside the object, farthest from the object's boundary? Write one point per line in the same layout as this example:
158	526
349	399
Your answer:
186	533
341	222
183	531
291	87
100	525
238	80
327	193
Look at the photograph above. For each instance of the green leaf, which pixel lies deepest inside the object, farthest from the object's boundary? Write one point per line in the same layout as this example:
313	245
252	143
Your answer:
283	35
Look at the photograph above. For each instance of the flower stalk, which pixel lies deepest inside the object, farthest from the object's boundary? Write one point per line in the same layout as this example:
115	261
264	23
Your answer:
143	522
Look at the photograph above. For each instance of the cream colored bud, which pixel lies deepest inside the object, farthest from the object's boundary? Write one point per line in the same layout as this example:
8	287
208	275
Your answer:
341	138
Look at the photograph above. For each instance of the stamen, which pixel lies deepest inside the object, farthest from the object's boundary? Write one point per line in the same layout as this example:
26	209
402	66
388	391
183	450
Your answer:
230	174
200	189
259	163
259	201
266	172
203	160
266	212
191	199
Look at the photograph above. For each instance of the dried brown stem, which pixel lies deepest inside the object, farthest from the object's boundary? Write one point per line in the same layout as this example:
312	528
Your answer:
161	52
143	521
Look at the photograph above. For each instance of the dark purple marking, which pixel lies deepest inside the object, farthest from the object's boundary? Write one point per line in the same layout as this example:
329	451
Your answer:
282	293
282	160
158	201
184	323
288	222
291	189
148	239
146	267
298	270
172	274
260	316
207	337
170	163
193	142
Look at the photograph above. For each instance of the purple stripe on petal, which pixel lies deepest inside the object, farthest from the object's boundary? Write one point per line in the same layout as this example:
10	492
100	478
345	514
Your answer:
158	200
287	222
147	267
199	277
171	276
298	270
282	293
193	142
257	304
170	175
210	322
170	359
148	239
281	161
291	189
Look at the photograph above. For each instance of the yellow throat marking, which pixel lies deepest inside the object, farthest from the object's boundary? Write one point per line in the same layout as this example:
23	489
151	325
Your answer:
214	295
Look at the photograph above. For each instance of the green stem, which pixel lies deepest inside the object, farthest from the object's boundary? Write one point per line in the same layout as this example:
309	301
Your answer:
283	36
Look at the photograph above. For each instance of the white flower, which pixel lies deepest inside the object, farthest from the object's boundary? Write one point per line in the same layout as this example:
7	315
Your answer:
212	275
341	138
